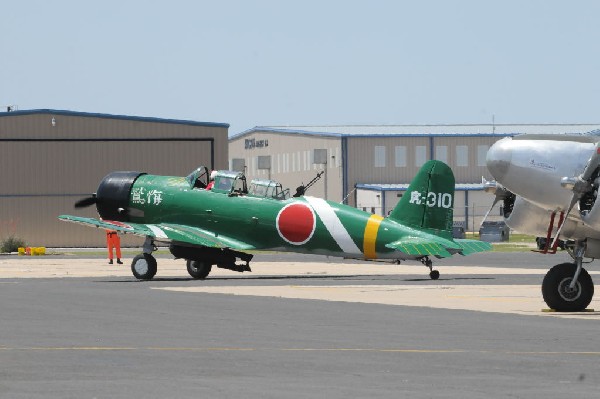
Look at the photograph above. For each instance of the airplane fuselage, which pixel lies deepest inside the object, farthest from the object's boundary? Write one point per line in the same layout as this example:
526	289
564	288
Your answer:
533	169
216	227
305	224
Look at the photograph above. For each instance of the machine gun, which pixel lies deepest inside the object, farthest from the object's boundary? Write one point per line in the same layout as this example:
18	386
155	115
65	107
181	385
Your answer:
300	190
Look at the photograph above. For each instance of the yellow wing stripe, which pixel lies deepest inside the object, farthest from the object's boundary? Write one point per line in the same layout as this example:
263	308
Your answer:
370	236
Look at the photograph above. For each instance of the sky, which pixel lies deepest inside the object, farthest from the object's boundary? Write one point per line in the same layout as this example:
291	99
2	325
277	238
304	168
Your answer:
266	62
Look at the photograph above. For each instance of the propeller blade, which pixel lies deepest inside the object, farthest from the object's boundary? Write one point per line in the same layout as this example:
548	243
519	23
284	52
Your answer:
500	192
574	200
496	200
85	202
593	163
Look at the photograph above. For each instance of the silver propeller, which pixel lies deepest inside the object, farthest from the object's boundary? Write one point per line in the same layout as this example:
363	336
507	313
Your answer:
580	185
500	192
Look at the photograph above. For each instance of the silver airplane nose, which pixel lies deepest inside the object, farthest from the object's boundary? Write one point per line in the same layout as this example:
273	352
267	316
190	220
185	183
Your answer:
499	157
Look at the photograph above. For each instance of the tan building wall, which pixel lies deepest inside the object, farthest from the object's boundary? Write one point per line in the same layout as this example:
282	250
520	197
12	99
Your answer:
396	160
361	159
291	160
362	167
475	147
50	159
370	159
377	159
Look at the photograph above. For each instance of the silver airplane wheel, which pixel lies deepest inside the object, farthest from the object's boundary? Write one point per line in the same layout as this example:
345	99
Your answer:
198	269
566	292
557	292
144	267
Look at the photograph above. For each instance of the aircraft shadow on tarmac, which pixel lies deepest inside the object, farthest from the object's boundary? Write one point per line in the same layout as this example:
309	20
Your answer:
369	277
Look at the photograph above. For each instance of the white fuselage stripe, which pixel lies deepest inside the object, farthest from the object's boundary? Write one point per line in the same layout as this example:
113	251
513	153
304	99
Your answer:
334	225
157	231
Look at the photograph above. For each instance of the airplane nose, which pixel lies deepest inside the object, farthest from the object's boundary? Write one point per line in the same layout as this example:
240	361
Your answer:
499	157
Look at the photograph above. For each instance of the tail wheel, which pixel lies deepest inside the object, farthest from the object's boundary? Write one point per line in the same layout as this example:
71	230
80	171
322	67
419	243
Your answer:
143	266
198	269
557	292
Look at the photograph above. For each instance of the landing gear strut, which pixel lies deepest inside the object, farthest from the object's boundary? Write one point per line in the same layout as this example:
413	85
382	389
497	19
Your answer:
143	265
568	287
433	274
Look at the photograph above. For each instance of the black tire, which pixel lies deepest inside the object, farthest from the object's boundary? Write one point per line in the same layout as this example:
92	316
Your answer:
198	269
556	293
143	266
434	274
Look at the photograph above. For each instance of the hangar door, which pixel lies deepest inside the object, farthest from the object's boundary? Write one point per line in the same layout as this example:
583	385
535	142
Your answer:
43	178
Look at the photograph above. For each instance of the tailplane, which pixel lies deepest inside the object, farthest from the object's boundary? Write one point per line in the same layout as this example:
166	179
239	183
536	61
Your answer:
429	201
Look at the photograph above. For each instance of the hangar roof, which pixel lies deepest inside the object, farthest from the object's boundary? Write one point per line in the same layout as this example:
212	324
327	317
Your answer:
110	116
428	130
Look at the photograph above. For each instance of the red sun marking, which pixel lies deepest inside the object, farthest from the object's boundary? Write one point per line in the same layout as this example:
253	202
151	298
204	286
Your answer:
296	223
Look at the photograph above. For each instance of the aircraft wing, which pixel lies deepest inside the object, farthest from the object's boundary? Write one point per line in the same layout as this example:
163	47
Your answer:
165	232
436	246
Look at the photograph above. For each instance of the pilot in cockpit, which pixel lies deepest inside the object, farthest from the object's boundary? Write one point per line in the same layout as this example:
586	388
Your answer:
211	183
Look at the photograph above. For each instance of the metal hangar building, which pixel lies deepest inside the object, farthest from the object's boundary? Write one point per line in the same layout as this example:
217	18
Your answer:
50	158
370	166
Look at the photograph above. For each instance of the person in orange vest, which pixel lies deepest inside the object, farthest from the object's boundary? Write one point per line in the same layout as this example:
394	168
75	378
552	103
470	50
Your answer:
113	241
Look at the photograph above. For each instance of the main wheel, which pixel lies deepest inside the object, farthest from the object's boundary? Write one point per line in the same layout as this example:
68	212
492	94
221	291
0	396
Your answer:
434	274
558	295
143	266
198	269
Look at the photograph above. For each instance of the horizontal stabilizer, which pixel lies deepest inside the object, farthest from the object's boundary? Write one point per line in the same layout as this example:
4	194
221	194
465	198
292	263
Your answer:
417	246
436	246
473	246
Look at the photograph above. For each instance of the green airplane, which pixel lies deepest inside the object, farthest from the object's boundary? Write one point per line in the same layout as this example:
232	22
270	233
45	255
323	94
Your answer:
220	225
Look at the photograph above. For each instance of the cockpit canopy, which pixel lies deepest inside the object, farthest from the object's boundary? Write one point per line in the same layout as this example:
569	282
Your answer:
234	183
230	182
268	189
198	178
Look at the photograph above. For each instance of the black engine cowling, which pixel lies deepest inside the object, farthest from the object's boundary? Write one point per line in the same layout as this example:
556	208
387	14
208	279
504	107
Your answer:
112	196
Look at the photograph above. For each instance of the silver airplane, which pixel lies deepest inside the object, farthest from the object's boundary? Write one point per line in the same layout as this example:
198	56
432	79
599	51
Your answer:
549	187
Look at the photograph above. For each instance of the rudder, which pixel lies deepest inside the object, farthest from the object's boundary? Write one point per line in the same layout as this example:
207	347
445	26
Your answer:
429	200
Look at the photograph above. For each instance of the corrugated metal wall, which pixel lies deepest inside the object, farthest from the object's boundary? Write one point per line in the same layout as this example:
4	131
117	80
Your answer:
473	171
361	159
361	153
46	168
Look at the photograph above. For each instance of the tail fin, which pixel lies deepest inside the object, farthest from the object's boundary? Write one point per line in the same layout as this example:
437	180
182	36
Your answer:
429	201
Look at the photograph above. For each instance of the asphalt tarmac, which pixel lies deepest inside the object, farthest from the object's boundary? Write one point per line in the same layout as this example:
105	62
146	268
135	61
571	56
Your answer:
299	326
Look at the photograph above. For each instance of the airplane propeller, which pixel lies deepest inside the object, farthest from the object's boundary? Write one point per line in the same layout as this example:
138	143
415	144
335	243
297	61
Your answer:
580	185
85	202
493	187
